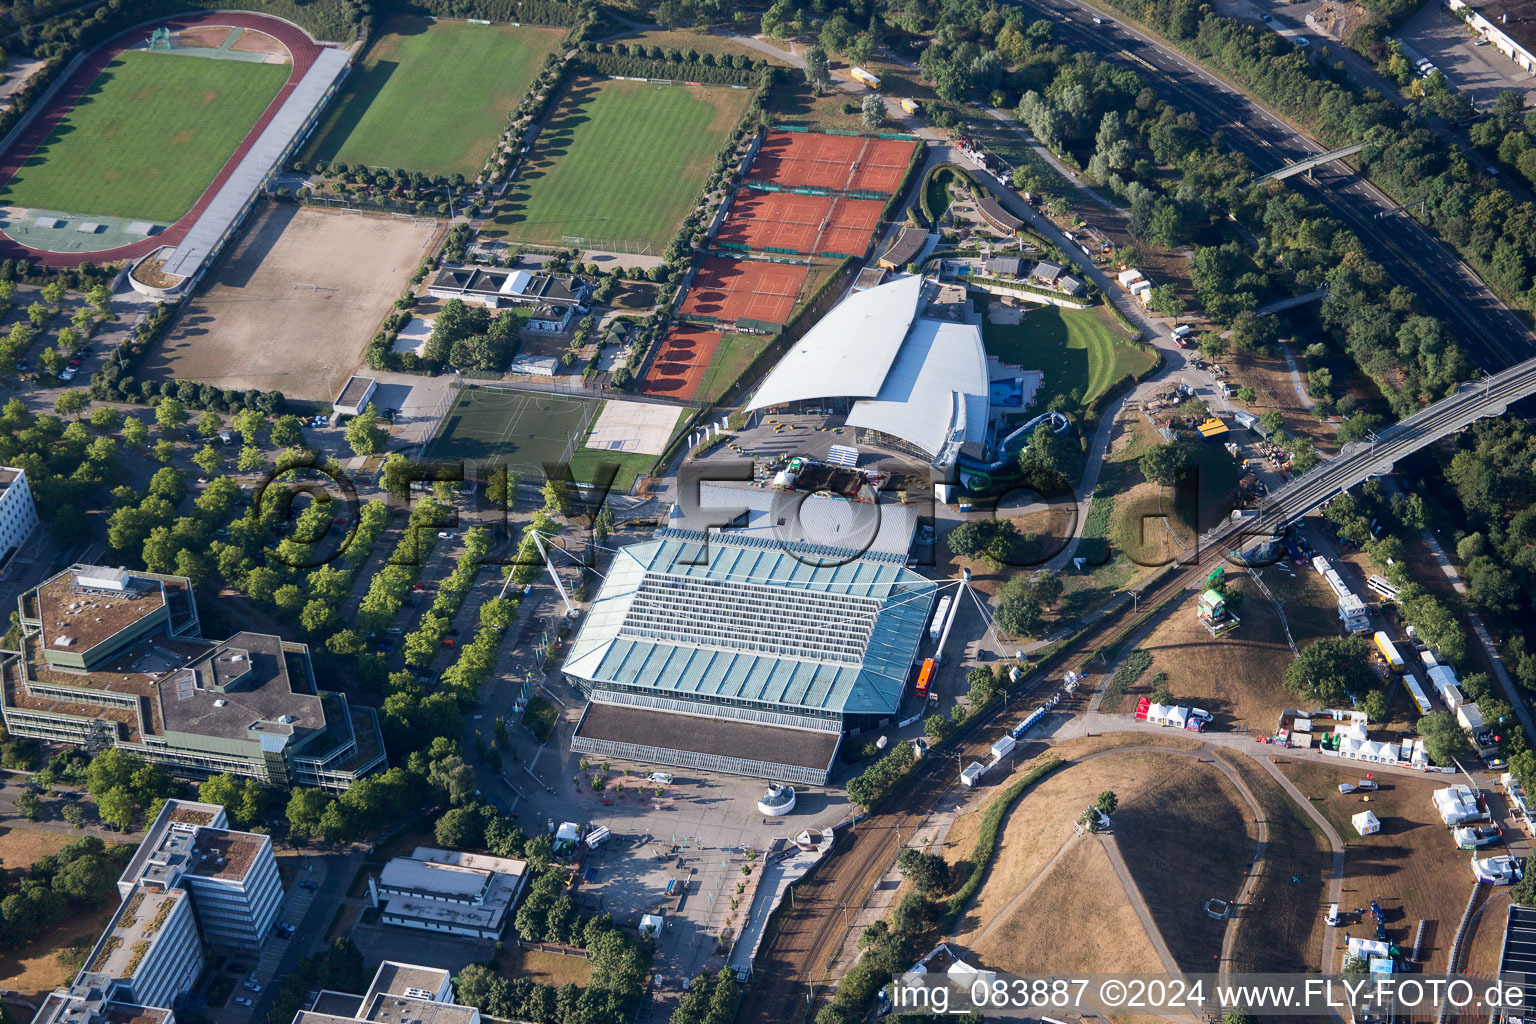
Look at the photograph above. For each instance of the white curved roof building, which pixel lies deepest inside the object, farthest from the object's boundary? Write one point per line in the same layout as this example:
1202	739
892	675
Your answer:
910	378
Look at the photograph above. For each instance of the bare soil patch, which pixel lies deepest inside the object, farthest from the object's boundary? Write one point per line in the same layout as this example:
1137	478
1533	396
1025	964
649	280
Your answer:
252	41
293	304
545	968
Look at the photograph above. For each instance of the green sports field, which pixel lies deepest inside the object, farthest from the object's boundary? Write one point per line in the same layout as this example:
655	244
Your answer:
147	137
619	162
1077	350
432	96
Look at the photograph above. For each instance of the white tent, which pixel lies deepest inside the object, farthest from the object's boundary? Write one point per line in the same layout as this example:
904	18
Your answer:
650	924
1177	717
1458	805
1158	713
1361	949
1366	823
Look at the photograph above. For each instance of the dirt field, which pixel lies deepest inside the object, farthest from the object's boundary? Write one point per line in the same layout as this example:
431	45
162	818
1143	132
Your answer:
292	305
1412	866
1041	868
1273	388
1238	677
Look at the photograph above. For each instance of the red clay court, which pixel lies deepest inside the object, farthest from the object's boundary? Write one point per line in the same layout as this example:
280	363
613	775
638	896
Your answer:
679	364
839	162
301	48
801	224
731	289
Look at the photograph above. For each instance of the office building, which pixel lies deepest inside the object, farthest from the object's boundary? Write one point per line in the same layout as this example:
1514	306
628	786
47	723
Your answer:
447	891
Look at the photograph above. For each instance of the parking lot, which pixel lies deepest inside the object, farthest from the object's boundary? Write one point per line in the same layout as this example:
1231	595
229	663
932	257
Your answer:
1481	72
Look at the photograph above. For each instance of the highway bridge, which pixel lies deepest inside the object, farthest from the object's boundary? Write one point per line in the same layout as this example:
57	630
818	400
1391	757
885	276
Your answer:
1361	460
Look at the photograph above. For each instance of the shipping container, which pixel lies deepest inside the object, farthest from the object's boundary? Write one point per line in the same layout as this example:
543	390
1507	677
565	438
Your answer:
873	81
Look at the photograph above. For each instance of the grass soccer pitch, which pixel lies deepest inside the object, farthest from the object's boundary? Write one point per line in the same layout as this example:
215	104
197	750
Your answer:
522	430
619	163
432	96
147	138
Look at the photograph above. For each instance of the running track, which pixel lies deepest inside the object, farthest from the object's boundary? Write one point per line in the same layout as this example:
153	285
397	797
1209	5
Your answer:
301	48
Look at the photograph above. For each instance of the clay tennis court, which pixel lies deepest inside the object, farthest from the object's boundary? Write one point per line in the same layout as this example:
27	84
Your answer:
728	290
784	221
679	364
839	162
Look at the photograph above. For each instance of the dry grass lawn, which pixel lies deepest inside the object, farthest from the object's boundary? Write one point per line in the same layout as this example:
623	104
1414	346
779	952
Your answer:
1238	677
1282	929
1485	935
545	968
1046	933
1164	799
1273	389
38	968
23	847
1412	866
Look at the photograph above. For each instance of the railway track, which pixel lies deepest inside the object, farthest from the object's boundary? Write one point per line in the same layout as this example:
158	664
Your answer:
796	961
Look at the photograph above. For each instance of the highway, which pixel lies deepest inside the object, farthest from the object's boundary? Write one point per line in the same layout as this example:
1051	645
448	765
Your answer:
1491	335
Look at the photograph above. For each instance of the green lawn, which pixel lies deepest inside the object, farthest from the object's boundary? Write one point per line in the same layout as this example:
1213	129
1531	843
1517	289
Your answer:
147	137
1082	351
619	162
731	359
432	97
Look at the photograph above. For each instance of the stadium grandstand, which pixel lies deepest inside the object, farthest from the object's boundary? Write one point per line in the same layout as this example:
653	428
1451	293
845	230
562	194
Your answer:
835	616
903	363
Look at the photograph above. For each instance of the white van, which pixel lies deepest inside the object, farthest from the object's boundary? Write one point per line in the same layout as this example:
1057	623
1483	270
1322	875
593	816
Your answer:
659	779
597	837
1332	917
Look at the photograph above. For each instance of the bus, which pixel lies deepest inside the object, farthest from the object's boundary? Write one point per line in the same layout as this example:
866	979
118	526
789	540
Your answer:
936	627
1416	692
873	81
924	677
1388	651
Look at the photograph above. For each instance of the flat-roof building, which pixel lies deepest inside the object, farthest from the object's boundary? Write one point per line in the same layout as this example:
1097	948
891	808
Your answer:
115	657
488	286
192	884
448	891
399	994
354	396
1510	25
18	513
748	651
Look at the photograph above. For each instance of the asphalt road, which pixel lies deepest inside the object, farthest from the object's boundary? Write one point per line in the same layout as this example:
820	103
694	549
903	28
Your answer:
1445	287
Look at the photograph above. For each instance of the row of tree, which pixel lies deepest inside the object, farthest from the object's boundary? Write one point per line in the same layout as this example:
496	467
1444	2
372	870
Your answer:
79	878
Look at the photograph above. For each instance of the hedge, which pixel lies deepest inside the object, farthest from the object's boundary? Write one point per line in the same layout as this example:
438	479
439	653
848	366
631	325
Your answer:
986	840
1022	286
526	12
615	65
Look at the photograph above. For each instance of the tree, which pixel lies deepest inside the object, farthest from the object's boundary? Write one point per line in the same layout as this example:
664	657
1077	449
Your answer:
1107	802
72	402
135	432
873	110
74	814
305	809
363	432
1374	706
982	686
460	828
454	777
557	497
249	460
118	808
1331	670
1272	421
1443	739
170	414
1164	463
816	71
286	432
928	872
210	460
29	805
209	424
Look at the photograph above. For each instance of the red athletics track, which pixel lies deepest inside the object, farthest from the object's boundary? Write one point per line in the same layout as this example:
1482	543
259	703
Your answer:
679	365
301	48
812	160
730	289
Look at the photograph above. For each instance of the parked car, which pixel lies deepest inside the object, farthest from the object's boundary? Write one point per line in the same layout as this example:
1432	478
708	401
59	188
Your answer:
242	1001
450	642
445	535
253	986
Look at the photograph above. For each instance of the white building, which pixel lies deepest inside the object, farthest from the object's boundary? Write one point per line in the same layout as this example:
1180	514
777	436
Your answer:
450	892
354	396
18	513
192	884
399	994
1510	26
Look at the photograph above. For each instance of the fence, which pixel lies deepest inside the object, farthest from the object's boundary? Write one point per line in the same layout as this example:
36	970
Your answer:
630	247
